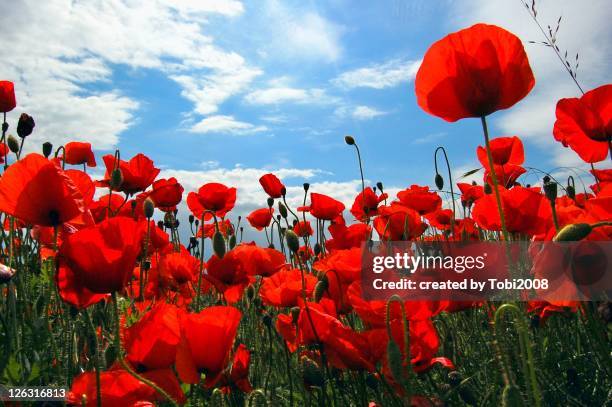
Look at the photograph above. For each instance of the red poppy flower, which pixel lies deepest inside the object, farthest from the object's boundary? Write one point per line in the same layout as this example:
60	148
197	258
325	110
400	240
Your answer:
206	342
303	229
470	192
77	153
238	376
585	124
138	173
225	227
440	219
3	152
260	218
166	194
228	275
38	192
284	288
100	208
213	197
397	222
525	210
272	185
98	260
344	237
7	96
420	199
152	341
84	184
505	150
258	261
366	204
324	207
178	268
120	389
473	73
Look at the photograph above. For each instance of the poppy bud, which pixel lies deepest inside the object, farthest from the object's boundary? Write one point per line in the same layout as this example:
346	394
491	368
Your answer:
116	179
250	292
25	126
196	222
5	127
169	220
293	243
218	243
149	208
282	209
349	140
379	185
550	190
267	320
270	202
306	186
511	397
160	224
571	192
47	149
439	182
319	290
311	373
12	143
454	378
394	356
546	179
271	246
278	218
487	189
193	242
295	314
191	219
146	265
232	242
6	273
283	191
317	249
573	232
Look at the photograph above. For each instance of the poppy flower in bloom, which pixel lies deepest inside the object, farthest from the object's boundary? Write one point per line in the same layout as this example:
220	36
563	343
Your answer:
260	218
84	184
324	207
470	192
225	227
98	260
344	237
258	261
397	222
440	219
228	275
120	389
525	210
38	192
207	338
303	229
420	199
166	194
212	197
272	185
152	341
366	204
585	124
7	96
504	150
284	288
77	153
238	376
473	73
177	268
138	173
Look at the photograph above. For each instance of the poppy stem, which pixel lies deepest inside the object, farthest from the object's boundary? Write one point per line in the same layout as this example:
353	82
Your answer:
502	219
197	299
125	364
96	357
450	180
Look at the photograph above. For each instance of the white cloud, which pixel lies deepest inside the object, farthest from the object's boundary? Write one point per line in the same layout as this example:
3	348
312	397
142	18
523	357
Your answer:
225	125
584	29
430	138
385	75
367	113
277	95
61	48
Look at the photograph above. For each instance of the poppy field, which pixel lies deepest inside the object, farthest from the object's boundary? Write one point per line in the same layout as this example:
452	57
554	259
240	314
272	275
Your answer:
104	295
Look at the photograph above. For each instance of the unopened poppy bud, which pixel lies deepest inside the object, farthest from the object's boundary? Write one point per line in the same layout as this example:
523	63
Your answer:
5	127
146	265
317	249
278	218
218	244
47	149
232	241
6	273
282	209
487	189
511	396
250	292
12	143
546	179
169	220
319	290
349	140
283	191
550	189
160	224
149	208
270	202
116	179
267	320
439	182
293	243
191	219
379	185
193	242
573	232
571	192
311	373
295	314
394	356
25	126
196	222
306	186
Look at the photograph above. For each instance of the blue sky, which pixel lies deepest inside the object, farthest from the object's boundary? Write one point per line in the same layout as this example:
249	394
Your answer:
226	90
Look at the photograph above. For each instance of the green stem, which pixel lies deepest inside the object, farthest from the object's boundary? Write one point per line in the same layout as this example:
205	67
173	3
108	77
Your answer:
96	357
